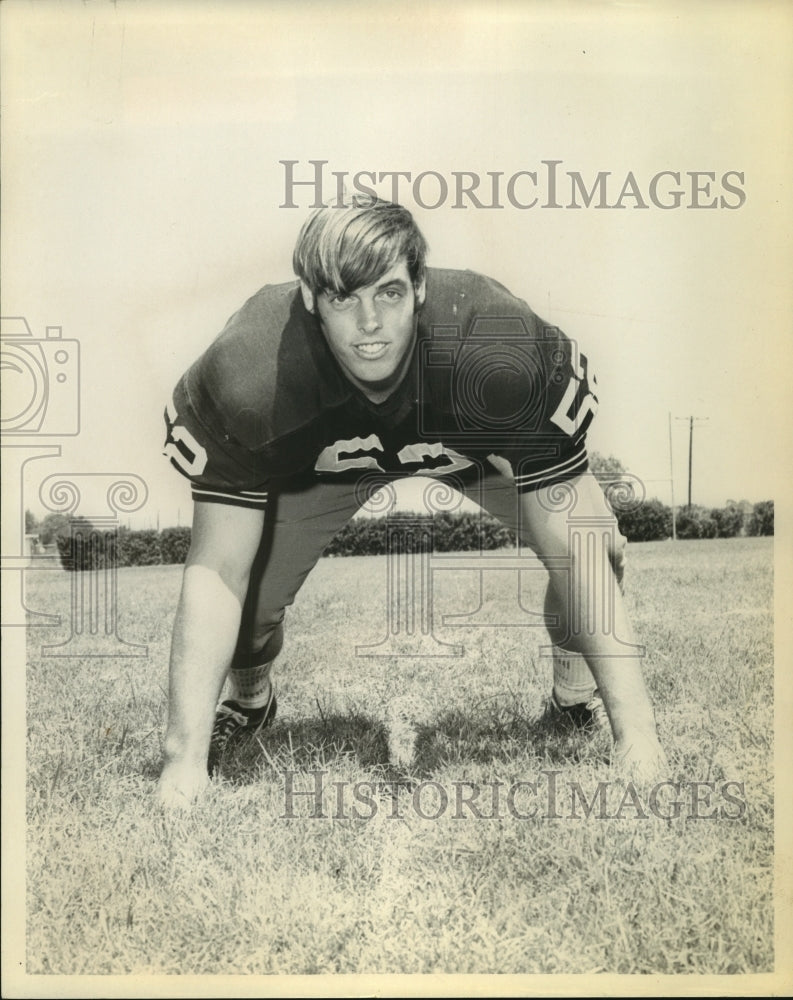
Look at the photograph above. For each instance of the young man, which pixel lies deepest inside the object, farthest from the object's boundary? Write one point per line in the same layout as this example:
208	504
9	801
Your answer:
373	367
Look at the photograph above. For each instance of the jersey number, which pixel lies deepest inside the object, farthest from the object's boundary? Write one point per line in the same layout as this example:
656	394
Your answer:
358	454
584	408
181	447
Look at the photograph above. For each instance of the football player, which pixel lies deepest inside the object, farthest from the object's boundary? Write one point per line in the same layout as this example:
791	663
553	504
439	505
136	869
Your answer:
368	368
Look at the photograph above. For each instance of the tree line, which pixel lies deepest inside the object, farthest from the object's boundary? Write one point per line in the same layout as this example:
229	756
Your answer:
80	545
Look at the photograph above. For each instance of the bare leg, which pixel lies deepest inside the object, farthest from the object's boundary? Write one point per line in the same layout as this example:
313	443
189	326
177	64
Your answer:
222	548
584	569
198	669
621	685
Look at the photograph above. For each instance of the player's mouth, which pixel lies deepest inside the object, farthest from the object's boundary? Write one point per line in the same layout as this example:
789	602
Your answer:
372	351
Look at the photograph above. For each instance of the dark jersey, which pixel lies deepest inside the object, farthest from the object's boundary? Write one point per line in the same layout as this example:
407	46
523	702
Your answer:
267	403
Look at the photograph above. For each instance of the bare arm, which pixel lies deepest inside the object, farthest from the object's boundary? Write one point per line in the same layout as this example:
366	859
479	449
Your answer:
575	546
223	545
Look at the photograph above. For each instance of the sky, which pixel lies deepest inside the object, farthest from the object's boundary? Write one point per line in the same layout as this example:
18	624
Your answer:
143	194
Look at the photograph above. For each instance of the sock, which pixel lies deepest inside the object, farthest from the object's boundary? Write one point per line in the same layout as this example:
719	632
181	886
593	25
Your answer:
250	686
249	677
573	682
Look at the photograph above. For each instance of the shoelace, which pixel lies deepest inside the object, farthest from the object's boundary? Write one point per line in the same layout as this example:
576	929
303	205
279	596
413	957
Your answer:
225	727
598	710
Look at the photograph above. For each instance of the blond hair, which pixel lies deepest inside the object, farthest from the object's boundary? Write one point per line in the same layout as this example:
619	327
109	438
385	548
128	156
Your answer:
342	249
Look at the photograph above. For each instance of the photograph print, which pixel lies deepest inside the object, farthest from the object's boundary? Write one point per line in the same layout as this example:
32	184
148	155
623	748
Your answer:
392	432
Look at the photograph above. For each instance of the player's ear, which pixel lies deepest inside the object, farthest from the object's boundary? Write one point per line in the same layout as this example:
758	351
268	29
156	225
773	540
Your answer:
421	292
308	297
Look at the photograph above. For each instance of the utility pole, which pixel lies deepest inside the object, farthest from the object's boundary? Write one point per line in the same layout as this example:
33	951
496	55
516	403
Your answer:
672	481
691	448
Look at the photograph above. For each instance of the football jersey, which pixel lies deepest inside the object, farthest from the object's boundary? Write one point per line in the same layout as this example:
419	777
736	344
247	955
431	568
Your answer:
268	404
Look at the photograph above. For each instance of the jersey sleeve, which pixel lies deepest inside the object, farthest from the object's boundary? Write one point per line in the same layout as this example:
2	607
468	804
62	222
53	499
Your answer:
220	470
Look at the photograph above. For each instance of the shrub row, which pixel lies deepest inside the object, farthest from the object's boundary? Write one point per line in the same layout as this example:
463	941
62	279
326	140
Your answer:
86	547
445	532
652	521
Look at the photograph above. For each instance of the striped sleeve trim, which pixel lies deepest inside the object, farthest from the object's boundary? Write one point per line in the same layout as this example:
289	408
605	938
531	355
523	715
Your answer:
573	466
252	499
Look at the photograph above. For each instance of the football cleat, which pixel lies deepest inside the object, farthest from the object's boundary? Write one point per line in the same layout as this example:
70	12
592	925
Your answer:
586	715
234	724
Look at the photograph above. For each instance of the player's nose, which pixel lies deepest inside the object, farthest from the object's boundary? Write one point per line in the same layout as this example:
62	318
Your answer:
368	317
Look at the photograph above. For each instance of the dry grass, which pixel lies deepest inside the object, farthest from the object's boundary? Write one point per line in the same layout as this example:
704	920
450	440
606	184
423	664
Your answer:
115	886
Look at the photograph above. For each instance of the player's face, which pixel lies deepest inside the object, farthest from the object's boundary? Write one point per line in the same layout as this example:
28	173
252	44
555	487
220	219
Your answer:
371	331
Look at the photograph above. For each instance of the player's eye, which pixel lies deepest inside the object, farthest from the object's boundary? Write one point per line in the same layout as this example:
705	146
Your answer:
339	300
391	294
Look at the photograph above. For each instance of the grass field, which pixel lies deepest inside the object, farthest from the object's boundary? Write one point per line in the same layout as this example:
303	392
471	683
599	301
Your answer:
401	876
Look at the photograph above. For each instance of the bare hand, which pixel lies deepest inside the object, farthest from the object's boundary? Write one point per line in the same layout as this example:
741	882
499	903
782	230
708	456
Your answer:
640	757
180	785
